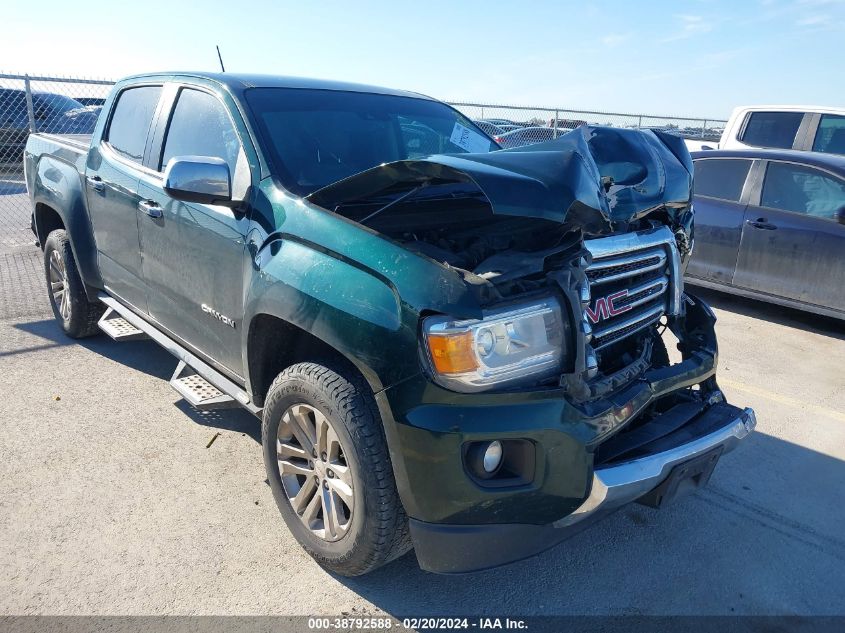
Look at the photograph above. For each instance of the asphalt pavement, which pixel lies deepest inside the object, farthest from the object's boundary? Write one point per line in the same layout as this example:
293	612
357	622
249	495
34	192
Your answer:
112	502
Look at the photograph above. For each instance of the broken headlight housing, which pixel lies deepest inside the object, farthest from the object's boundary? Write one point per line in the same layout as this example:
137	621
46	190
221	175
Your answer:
507	347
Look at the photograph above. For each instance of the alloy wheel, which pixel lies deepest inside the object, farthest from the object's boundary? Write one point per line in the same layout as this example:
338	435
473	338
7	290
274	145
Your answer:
59	284
315	474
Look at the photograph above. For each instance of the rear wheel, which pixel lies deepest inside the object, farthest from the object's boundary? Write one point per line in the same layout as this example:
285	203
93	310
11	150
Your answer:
77	316
329	469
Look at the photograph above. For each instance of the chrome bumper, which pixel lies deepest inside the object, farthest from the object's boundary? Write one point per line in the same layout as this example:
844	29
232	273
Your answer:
615	486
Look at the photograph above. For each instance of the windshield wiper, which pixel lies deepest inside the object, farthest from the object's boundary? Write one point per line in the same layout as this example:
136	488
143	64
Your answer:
394	202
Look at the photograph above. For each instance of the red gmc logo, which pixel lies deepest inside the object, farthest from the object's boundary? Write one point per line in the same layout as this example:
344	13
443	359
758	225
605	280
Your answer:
604	308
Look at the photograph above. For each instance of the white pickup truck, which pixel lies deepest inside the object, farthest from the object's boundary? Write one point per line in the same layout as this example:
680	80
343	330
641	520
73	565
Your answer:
808	128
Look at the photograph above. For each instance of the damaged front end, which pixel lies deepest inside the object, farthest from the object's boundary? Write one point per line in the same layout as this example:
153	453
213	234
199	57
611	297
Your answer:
574	251
600	219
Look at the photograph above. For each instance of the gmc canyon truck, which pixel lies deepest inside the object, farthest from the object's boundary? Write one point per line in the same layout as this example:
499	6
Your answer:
450	346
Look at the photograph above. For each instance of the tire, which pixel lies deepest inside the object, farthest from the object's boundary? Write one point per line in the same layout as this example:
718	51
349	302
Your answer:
76	315
374	529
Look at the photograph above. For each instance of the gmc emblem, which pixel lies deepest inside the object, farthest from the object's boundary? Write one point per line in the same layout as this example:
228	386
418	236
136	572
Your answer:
604	308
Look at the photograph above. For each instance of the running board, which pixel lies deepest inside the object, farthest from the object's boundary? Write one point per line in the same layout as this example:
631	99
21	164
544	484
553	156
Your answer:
118	328
201	369
198	392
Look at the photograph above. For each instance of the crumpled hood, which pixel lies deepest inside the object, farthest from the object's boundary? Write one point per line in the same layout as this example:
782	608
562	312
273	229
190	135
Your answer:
567	179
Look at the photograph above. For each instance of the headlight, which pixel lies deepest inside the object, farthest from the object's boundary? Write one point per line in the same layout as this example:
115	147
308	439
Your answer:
506	347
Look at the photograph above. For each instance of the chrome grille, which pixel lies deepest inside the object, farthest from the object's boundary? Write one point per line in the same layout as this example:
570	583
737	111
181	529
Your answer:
603	271
634	281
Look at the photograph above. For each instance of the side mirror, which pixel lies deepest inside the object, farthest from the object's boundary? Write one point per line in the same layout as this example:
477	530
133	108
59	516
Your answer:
203	179
840	215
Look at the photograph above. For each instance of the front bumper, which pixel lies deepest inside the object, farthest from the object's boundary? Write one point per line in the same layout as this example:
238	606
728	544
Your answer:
445	548
590	456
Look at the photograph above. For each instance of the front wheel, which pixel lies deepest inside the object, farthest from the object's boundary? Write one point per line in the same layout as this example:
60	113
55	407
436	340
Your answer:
77	316
328	466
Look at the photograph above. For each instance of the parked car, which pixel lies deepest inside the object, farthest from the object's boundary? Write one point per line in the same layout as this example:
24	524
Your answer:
459	351
566	124
91	101
505	123
494	129
809	128
770	224
53	113
526	136
490	129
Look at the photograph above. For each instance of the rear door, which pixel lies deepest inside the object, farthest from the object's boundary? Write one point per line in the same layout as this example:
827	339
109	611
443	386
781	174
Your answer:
720	195
194	257
792	245
112	173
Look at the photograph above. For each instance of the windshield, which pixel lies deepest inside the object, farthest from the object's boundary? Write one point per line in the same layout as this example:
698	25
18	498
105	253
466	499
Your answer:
314	138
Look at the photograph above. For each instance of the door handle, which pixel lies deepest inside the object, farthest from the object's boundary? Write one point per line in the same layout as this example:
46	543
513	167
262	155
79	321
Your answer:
150	208
761	223
96	183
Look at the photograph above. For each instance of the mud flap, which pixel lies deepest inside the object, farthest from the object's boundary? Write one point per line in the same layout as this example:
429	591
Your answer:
684	479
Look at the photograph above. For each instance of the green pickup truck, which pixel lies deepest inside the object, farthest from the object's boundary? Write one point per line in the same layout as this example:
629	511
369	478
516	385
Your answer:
451	347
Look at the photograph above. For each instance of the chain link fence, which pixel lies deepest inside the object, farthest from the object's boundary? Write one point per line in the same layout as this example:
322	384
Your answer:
67	105
58	105
513	126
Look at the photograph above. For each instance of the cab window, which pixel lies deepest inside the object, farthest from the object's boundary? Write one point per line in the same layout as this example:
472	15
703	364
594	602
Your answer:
830	136
131	120
200	126
772	129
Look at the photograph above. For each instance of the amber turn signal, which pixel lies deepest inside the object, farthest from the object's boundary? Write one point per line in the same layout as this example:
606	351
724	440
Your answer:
452	353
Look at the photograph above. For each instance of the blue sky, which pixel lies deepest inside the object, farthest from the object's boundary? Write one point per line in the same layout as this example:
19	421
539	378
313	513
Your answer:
696	58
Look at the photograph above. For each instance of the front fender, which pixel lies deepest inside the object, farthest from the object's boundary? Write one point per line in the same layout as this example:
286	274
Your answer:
352	309
58	184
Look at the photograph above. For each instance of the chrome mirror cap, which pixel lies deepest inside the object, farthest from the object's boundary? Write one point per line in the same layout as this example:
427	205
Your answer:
203	179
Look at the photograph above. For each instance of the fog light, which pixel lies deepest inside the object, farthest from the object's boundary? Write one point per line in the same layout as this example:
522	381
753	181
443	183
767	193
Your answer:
500	463
492	456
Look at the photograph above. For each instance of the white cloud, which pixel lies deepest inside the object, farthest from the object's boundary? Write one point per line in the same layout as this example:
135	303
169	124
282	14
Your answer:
814	20
615	39
688	26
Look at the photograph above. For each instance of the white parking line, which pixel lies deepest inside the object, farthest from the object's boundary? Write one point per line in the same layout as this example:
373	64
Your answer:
776	397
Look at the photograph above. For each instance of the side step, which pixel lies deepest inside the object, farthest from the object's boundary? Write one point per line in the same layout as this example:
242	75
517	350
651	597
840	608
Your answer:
119	328
198	392
198	382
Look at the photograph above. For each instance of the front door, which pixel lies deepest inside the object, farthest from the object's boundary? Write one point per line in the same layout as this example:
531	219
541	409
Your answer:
111	177
719	207
792	245
194	257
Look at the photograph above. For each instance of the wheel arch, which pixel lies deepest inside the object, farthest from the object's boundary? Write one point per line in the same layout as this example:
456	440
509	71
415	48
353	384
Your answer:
59	202
47	220
273	344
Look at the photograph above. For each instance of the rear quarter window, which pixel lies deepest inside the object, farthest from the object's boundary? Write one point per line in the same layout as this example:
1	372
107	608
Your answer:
131	120
720	178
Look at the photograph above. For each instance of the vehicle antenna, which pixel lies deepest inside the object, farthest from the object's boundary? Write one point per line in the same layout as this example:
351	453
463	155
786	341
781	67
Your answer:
220	57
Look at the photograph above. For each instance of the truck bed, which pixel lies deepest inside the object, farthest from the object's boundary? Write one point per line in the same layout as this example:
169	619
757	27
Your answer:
80	141
67	148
